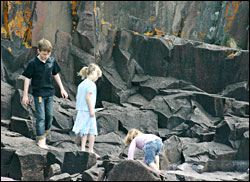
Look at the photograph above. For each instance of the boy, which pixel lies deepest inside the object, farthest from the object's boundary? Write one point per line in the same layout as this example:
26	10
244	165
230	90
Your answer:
40	70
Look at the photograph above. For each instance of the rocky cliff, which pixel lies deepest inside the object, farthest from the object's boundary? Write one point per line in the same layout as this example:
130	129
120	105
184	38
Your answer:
179	70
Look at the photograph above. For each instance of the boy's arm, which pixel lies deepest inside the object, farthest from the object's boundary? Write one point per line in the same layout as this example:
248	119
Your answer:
25	99
59	82
89	104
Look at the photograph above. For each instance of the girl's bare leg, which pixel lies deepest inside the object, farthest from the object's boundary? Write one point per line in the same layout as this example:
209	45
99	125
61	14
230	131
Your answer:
157	161
91	144
154	166
83	142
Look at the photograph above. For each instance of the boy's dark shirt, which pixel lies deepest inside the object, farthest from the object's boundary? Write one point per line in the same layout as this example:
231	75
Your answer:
41	76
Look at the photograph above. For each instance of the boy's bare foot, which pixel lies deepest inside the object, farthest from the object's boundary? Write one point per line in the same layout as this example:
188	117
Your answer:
43	146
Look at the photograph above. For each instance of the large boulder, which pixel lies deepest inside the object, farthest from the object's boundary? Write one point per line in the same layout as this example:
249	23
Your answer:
78	161
132	170
6	95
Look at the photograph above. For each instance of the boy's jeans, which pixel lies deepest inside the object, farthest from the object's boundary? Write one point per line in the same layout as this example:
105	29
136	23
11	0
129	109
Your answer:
44	115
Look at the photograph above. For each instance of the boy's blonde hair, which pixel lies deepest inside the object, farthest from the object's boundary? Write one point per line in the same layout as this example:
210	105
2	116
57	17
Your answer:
45	45
92	69
131	135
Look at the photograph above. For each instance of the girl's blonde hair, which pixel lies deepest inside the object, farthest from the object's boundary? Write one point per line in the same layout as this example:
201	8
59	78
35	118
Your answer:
131	135
92	69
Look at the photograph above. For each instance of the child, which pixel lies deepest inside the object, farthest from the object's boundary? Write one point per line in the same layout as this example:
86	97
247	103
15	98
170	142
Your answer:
85	123
40	70
150	144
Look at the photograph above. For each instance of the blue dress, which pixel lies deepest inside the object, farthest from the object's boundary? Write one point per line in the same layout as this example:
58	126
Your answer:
85	124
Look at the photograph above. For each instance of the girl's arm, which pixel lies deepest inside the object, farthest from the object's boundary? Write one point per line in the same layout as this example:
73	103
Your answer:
91	111
131	149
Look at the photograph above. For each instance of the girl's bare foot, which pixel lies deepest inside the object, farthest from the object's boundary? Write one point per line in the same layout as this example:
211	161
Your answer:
97	156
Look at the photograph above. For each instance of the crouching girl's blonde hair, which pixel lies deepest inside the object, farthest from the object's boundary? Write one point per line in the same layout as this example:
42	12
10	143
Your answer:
93	70
131	135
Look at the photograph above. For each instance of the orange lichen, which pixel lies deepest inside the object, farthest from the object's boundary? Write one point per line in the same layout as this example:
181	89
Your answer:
28	36
9	48
21	23
17	25
230	55
27	14
151	18
202	34
159	35
74	4
226	12
157	31
113	44
103	22
75	18
5	19
198	12
149	33
18	2
95	9
233	10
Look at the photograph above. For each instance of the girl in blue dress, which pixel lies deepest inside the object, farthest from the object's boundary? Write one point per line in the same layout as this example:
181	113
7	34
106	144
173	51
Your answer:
85	123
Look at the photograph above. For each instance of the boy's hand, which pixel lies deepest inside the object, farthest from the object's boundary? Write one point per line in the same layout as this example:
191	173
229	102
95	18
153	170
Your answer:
25	100
64	94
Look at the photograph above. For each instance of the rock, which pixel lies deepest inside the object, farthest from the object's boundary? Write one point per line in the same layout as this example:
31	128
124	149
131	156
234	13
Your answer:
77	161
19	109
7	92
54	169
130	170
25	127
94	173
227	129
7	179
237	91
60	177
171	153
